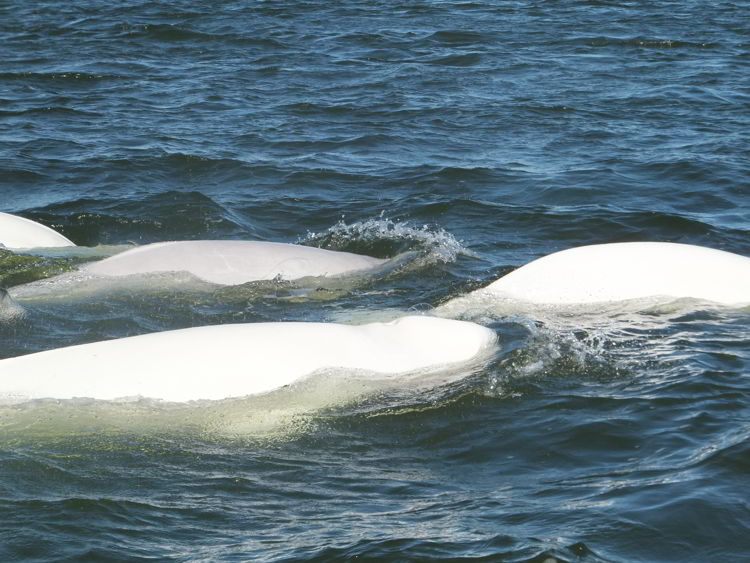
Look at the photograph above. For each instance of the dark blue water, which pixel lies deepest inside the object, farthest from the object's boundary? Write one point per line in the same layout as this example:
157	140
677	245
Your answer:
479	135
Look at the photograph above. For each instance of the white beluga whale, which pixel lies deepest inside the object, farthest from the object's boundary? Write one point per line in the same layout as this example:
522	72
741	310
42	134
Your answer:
203	265
606	273
225	361
222	262
233	262
21	233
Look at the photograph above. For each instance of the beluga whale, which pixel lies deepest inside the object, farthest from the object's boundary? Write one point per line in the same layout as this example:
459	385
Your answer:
202	265
615	272
237	360
21	233
233	262
221	262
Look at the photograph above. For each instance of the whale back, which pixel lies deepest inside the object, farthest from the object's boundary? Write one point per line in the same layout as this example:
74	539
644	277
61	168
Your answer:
630	270
217	362
594	279
233	262
21	233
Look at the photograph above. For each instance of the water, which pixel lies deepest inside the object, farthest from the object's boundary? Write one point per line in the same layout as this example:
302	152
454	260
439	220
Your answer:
475	135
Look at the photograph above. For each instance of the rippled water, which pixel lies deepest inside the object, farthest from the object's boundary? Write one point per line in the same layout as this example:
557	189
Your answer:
474	135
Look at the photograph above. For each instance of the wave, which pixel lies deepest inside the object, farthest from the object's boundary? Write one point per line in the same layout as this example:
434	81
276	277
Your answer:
21	175
144	218
414	547
466	59
457	37
173	33
641	42
48	110
59	76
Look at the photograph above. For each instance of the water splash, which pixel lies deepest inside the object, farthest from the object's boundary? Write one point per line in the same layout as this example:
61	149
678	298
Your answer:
627	355
559	352
383	237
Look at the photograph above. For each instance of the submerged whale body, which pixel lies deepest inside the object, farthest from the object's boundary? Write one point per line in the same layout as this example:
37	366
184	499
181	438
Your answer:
217	362
233	262
623	271
21	233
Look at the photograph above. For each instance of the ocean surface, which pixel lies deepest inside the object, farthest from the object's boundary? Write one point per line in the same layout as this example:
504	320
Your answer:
475	136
